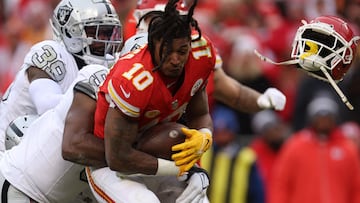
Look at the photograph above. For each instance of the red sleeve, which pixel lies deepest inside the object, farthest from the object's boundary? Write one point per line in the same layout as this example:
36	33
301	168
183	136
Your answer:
129	89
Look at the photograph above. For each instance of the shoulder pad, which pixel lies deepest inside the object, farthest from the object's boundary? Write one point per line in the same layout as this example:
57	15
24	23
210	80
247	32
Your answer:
46	56
86	88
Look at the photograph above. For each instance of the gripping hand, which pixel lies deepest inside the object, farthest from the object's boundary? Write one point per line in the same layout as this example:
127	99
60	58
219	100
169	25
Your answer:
198	181
272	98
196	143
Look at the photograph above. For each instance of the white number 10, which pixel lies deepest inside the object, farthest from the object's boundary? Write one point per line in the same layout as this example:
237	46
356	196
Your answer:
142	79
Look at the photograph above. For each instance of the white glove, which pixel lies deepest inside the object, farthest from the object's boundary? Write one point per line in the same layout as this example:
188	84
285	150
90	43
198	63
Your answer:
198	181
272	98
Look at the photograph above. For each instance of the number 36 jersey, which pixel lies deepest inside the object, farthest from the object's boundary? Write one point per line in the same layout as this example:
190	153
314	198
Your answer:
56	61
139	92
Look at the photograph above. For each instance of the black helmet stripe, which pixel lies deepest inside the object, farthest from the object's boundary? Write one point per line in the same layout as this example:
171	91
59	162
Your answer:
106	4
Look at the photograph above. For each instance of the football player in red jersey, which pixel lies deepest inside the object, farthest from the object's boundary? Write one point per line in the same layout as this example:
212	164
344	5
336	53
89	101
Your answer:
226	89
156	83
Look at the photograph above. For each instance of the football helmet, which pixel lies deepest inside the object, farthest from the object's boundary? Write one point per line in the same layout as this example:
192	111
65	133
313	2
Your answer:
324	48
326	41
17	128
91	30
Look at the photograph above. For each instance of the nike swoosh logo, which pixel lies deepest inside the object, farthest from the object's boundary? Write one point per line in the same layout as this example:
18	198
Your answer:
126	94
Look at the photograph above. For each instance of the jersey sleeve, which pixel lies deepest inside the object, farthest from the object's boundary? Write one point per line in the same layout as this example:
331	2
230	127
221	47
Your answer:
219	61
89	79
127	97
47	56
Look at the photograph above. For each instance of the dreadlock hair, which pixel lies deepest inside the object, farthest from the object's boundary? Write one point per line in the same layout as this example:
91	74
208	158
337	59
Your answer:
169	25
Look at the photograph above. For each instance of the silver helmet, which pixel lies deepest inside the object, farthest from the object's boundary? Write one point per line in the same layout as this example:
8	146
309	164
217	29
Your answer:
89	29
16	130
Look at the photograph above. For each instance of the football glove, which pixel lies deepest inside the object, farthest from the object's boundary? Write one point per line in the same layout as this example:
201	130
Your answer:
198	181
196	143
272	98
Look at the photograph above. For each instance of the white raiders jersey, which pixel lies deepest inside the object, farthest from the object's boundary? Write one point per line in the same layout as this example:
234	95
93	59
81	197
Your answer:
36	166
141	39
56	61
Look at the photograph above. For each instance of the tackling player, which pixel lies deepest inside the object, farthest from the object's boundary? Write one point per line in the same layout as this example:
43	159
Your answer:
86	32
35	168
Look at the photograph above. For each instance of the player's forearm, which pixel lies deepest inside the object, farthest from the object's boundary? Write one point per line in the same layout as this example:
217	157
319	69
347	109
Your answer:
120	137
198	122
237	96
88	151
130	161
246	100
197	112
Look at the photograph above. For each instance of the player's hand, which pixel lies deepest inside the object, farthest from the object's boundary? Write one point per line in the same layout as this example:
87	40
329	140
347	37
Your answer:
198	181
272	98
196	143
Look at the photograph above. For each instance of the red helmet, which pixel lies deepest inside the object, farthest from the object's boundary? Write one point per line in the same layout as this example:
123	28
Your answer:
326	41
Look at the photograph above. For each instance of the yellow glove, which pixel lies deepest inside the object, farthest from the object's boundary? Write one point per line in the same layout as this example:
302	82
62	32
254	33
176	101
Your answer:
196	143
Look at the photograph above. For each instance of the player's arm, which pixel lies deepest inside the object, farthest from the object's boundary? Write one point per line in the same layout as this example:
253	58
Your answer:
120	136
198	136
79	144
234	94
197	112
44	91
243	98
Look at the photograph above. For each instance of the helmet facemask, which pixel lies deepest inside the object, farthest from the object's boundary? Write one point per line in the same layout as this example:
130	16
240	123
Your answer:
322	52
102	42
318	45
97	43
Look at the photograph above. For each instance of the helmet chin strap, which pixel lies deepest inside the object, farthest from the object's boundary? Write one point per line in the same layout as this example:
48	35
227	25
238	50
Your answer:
307	69
266	59
337	89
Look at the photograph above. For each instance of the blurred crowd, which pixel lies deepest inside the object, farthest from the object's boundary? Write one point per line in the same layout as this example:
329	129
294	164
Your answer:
237	28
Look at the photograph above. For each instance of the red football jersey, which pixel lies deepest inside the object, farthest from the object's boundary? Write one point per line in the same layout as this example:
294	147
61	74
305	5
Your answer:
140	93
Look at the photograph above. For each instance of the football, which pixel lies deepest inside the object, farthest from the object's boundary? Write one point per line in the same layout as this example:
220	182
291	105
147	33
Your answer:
159	139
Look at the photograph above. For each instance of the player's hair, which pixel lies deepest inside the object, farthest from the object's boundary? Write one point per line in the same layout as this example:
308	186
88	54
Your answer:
168	25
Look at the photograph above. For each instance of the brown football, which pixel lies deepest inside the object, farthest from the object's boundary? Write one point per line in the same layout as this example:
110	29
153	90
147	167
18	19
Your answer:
159	139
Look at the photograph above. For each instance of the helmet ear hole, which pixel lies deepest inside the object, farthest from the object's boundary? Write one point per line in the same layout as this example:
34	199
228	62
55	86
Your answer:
73	45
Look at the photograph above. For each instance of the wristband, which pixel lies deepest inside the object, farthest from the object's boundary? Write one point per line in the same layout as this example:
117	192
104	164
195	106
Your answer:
206	130
166	167
193	170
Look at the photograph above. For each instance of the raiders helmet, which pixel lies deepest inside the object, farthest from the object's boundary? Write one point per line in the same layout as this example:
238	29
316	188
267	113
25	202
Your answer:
91	30
16	130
